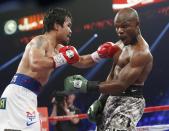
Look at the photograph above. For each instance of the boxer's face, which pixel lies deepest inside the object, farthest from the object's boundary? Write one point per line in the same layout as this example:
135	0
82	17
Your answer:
126	30
64	32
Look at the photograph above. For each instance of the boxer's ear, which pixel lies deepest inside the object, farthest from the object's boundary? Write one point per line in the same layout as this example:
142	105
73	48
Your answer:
56	26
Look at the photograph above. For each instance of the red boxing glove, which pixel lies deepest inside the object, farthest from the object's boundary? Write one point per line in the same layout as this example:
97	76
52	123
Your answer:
67	54
106	50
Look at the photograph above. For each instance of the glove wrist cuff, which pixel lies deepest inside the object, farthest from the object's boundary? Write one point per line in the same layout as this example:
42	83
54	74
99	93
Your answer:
103	98
95	56
93	86
59	60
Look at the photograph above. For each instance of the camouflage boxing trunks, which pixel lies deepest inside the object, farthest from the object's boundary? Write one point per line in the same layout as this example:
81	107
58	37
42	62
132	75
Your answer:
121	113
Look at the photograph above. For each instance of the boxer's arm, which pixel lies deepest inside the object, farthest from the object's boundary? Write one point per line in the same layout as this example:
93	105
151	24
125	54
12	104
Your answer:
127	76
37	56
85	61
105	50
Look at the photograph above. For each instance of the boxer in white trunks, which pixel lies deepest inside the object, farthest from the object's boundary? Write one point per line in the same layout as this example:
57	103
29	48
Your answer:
43	54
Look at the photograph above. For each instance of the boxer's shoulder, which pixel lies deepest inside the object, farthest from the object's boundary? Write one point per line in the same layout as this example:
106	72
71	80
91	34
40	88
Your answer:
39	41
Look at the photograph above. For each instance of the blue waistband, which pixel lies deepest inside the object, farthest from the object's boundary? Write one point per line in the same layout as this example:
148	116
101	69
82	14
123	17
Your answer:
26	82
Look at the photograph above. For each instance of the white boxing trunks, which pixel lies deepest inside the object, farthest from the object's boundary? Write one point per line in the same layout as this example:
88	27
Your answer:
18	105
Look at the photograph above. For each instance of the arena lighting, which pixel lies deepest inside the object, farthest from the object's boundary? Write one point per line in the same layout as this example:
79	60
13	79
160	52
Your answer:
35	22
5	65
32	22
100	24
95	69
10	27
95	35
27	23
154	45
120	4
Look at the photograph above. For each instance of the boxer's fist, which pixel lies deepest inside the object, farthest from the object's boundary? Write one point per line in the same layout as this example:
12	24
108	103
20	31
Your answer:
95	111
79	84
106	50
70	54
67	54
75	83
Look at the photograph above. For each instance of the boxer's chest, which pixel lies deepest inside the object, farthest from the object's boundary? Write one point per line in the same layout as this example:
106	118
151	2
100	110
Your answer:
51	52
124	57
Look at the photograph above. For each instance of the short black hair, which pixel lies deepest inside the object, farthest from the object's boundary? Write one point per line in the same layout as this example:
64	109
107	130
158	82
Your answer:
55	15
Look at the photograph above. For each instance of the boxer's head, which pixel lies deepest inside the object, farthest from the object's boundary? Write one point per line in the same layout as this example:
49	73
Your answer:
127	25
55	16
60	21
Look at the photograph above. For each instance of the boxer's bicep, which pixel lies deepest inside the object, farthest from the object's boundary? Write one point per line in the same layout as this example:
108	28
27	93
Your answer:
127	76
132	71
37	56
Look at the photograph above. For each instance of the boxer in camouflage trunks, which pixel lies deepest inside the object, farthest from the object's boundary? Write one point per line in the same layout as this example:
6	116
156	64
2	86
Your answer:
122	109
122	112
121	103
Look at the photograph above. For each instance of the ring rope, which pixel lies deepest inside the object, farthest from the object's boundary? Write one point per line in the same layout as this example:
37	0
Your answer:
156	108
66	118
85	116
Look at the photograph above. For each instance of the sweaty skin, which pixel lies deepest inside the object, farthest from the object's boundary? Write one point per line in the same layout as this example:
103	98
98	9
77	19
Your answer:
133	63
37	61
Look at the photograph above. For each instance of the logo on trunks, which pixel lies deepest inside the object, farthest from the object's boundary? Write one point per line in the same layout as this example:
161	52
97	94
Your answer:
31	118
14	79
2	103
77	83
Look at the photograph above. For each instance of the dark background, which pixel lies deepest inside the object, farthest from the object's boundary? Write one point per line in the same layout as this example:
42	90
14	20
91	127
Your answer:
91	17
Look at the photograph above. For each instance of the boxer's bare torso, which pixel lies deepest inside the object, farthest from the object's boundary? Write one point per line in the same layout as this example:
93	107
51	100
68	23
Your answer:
133	63
36	61
136	56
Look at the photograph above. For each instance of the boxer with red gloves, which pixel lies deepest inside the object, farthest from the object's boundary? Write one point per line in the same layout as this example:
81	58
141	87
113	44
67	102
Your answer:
106	50
67	54
121	104
39	57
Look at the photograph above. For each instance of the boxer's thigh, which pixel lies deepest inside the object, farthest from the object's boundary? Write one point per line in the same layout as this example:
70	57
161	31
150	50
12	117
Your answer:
21	111
127	114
